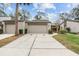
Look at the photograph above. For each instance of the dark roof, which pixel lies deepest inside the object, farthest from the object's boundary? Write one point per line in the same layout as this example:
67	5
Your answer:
70	21
46	21
14	20
73	20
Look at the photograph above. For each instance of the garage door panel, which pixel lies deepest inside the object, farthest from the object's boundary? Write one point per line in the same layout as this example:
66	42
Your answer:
10	29
37	29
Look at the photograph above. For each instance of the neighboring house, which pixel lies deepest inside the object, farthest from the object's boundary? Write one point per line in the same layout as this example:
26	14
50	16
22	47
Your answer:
34	26
1	28
72	24
55	27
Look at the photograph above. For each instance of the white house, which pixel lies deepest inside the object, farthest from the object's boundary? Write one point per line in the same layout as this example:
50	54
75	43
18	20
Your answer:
34	26
72	24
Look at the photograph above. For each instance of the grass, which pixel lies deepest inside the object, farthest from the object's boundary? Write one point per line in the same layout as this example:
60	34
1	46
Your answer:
5	41
71	41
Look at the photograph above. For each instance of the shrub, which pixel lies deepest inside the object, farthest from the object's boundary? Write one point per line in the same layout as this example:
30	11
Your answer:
20	31
25	31
73	33
1	31
62	31
68	29
50	31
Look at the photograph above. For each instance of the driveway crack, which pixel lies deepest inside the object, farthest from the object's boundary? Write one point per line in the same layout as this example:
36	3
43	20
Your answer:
32	45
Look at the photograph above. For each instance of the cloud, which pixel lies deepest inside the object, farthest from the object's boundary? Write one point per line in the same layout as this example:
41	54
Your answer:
10	9
52	17
20	8
72	5
48	6
43	6
67	11
69	5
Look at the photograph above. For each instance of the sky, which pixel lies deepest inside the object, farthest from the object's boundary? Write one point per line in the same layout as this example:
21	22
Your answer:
52	10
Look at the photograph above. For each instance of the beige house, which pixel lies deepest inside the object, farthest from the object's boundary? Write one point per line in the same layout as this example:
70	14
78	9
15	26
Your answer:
72	24
34	26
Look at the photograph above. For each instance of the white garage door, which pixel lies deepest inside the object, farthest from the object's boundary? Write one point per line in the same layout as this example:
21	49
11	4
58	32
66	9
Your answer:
10	29
37	29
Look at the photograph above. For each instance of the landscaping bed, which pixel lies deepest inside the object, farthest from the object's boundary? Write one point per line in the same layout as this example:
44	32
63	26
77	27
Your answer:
71	41
5	41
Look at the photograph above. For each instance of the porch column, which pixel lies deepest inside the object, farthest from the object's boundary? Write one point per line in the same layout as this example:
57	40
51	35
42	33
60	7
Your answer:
57	28
24	27
4	27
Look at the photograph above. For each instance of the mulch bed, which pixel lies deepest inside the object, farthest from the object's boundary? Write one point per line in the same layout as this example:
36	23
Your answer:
8	40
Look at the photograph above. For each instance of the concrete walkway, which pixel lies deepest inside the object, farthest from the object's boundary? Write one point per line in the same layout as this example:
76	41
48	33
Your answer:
35	45
3	36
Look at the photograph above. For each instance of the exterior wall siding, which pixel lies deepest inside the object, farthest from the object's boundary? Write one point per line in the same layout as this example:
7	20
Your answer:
74	26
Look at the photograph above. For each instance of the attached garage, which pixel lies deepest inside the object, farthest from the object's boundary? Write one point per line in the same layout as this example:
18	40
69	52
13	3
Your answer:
10	29
34	26
38	26
10	26
37	29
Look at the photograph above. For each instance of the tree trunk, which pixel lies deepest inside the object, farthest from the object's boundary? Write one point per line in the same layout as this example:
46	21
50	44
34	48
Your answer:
65	23
16	21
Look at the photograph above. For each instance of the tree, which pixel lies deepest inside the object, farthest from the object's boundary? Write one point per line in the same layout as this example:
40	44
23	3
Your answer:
3	7
64	17
75	13
16	21
2	11
24	14
40	16
17	15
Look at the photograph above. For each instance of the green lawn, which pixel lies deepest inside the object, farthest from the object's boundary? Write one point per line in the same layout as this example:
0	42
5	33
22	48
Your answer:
71	41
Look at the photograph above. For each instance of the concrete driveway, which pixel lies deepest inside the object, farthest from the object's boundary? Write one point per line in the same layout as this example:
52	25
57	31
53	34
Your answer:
35	45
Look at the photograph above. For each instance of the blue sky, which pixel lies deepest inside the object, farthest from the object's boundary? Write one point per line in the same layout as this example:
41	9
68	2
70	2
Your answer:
51	9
